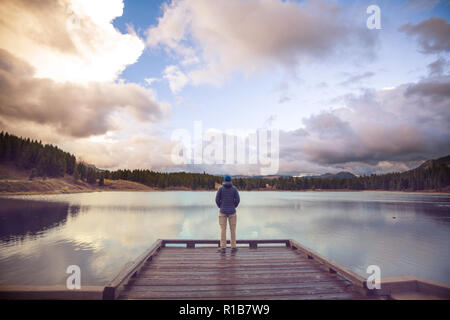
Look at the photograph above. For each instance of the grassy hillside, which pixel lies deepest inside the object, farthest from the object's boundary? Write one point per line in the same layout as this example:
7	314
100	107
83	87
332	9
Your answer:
16	181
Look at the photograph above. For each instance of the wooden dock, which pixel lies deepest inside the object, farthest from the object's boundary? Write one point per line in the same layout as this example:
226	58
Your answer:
260	269
263	273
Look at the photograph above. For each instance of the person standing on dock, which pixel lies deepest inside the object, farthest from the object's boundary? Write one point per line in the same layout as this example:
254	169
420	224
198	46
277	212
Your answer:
227	199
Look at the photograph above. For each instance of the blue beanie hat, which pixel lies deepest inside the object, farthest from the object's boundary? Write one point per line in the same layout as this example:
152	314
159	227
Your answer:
227	178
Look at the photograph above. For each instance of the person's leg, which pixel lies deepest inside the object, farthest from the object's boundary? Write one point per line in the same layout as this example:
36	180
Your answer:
223	230
232	221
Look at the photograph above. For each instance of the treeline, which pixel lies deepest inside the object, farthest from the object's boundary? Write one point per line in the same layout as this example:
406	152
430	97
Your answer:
155	179
50	161
432	175
44	160
435	177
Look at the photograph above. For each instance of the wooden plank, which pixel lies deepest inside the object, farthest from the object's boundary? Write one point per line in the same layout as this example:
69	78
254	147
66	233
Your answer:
226	273
415	295
195	254
226	260
322	296
356	279
397	287
225	267
311	277
234	258
328	288
265	249
229	256
433	288
198	251
239	286
240	277
232	294
246	266
237	294
217	255
229	260
112	290
251	242
50	293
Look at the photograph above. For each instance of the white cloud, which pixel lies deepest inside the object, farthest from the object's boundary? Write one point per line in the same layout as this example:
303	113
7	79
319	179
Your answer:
68	40
252	36
176	78
146	150
150	81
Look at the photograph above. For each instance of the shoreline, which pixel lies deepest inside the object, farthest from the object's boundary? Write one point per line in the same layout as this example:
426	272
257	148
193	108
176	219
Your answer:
15	182
150	189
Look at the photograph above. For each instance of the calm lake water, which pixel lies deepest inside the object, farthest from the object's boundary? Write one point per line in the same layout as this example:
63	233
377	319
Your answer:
404	234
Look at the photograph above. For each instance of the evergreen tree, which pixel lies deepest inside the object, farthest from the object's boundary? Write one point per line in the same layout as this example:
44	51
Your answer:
101	180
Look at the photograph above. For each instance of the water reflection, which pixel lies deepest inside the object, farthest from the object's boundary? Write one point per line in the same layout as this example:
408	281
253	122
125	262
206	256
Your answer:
20	218
405	234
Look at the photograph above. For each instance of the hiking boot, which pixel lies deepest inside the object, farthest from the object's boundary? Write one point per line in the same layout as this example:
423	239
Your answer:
234	249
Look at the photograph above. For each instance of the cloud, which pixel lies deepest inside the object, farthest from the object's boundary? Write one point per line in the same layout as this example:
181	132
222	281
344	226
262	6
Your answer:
69	109
251	36
438	67
150	81
421	4
146	150
176	78
375	131
283	99
438	89
68	40
433	35
357	78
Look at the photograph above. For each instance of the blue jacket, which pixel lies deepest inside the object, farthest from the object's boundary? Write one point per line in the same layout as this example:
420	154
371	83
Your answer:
227	198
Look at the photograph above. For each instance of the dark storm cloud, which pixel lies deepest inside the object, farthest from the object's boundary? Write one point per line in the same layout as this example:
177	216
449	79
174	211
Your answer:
406	124
433	34
71	109
437	89
438	67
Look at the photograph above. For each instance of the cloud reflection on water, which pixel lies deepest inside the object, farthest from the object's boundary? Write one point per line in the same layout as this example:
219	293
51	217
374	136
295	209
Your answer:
101	232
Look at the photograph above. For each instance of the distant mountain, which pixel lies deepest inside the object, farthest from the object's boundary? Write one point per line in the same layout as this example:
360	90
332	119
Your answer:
339	175
434	163
259	177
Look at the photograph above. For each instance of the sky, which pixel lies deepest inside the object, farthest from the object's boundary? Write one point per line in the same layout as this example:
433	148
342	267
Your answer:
117	83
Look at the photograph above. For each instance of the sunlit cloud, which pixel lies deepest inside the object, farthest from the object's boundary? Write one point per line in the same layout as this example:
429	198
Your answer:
224	36
68	40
